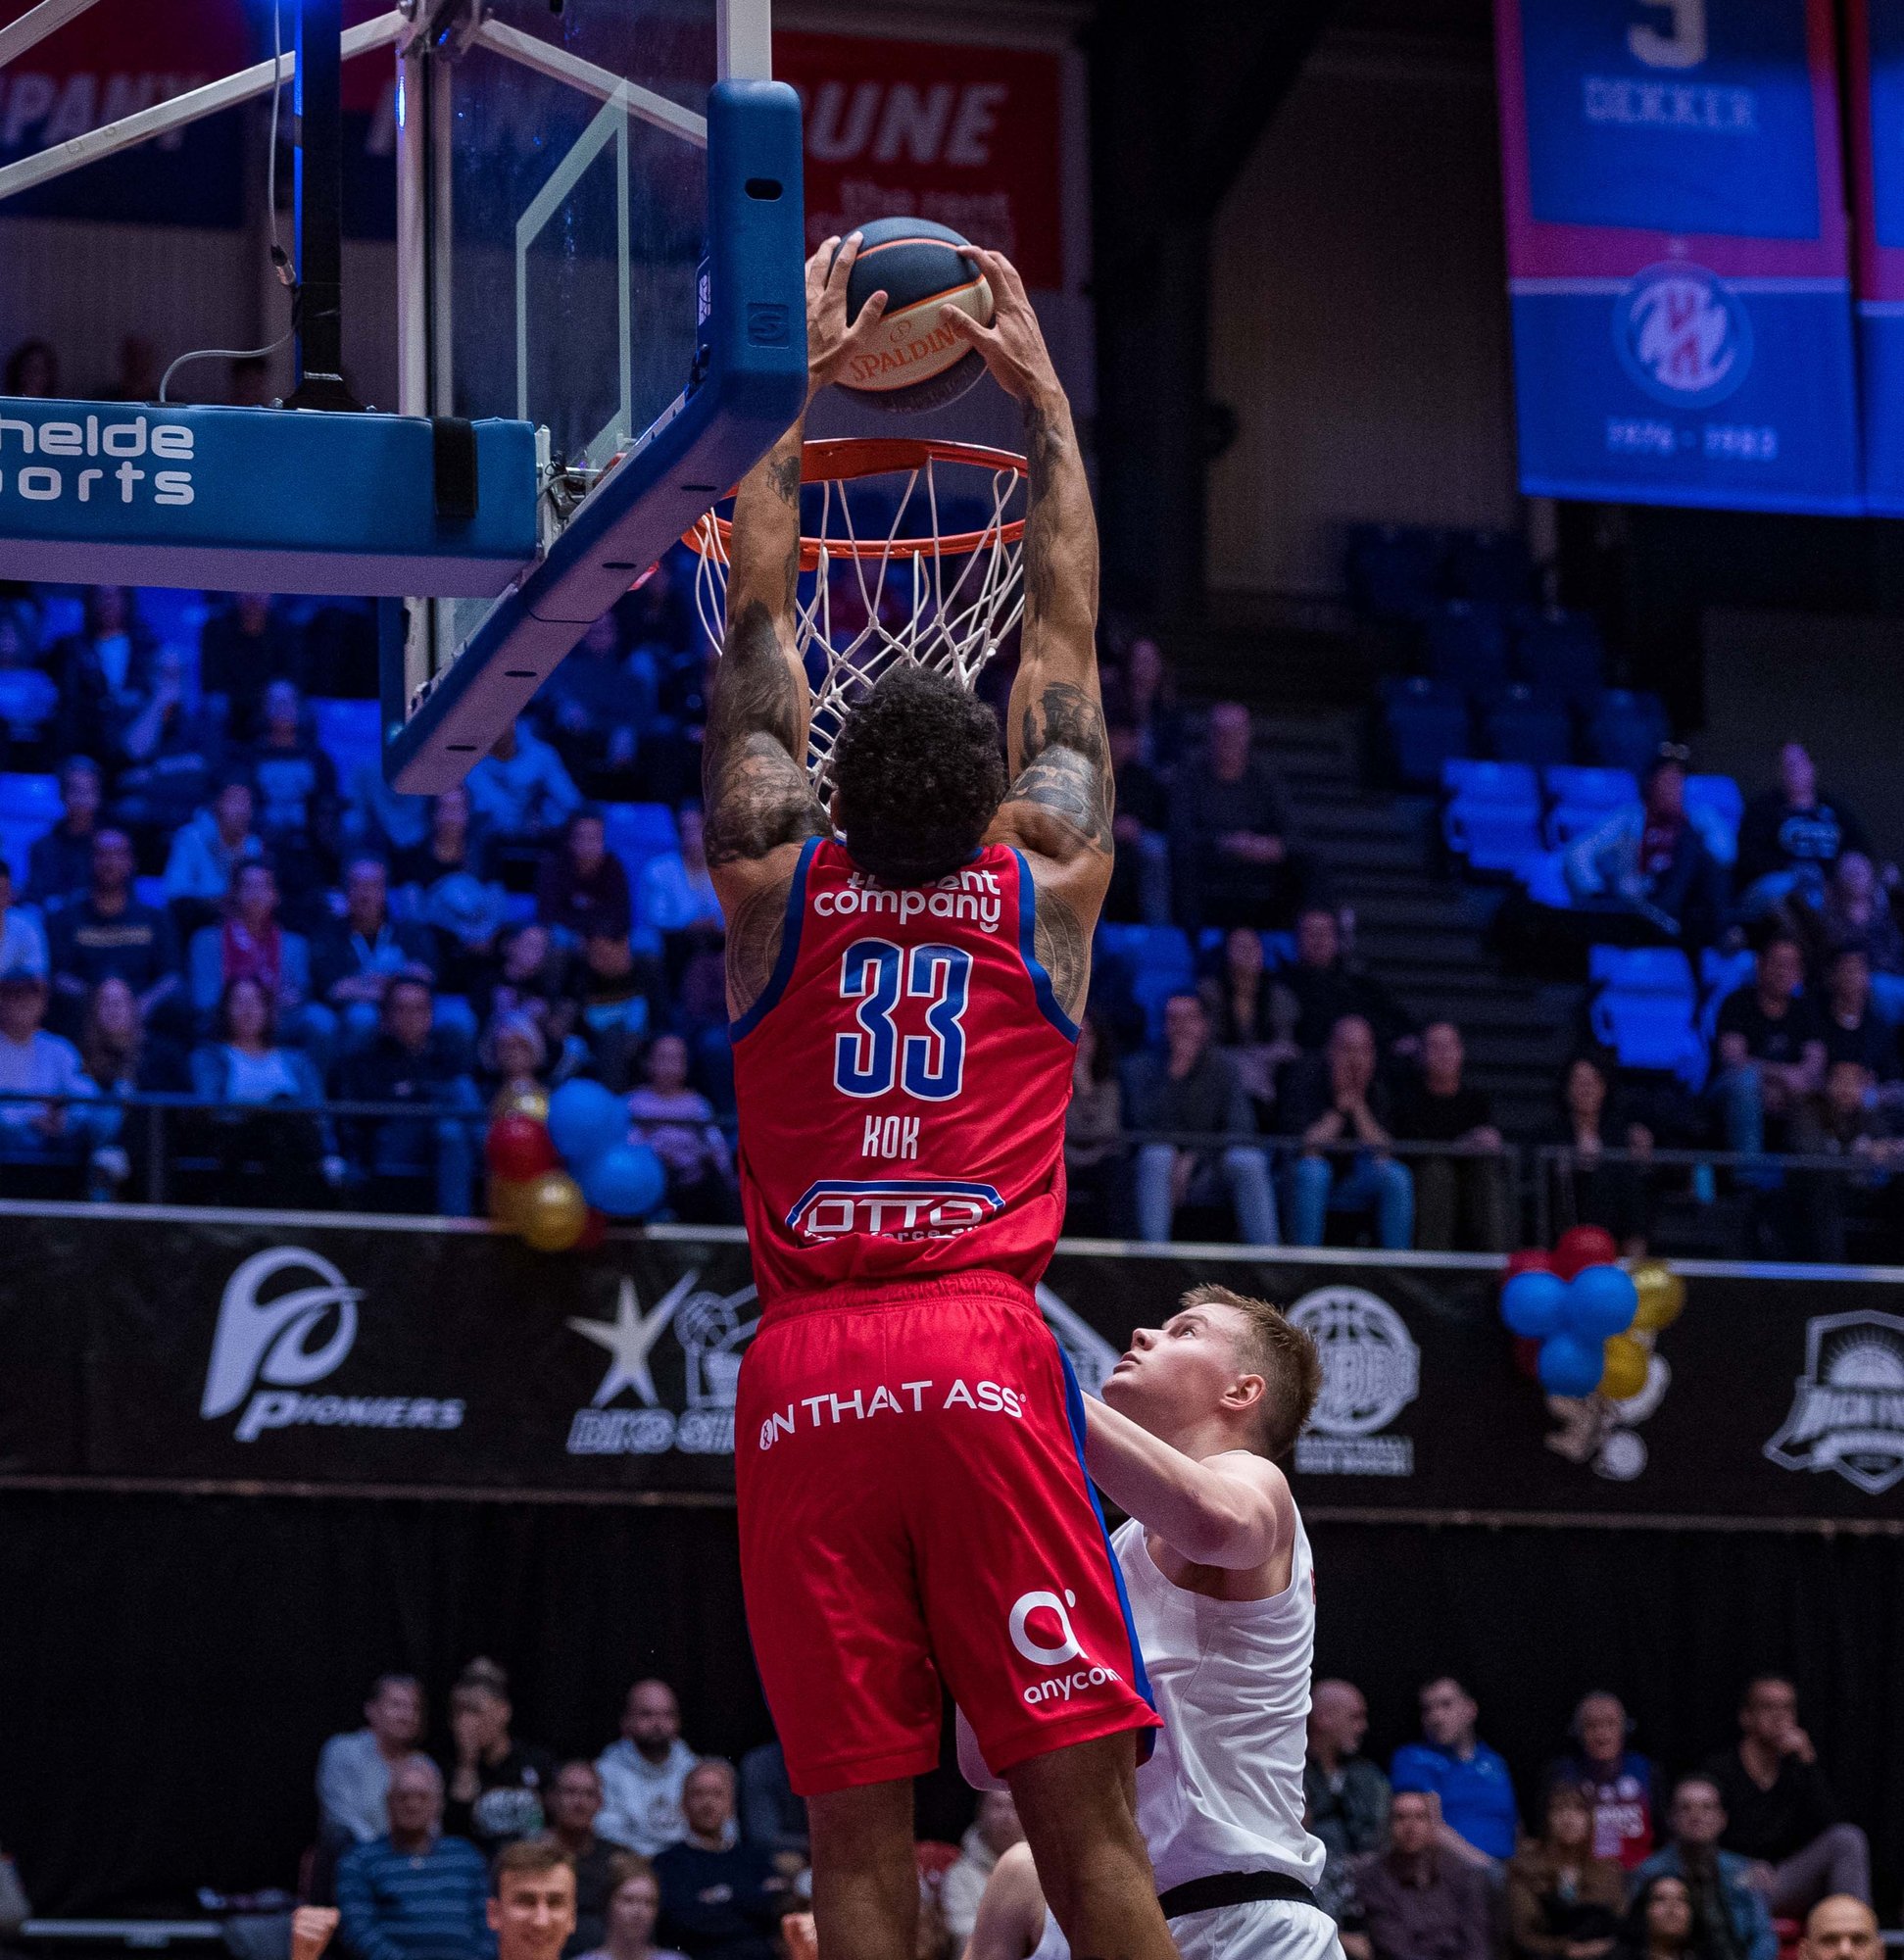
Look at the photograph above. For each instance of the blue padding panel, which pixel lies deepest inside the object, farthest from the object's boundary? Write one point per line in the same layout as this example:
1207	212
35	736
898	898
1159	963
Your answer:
246	500
755	341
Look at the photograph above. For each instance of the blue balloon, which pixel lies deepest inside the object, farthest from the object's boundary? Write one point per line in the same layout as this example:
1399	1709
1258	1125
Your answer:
1531	1303
1600	1301
627	1182
1571	1365
585	1122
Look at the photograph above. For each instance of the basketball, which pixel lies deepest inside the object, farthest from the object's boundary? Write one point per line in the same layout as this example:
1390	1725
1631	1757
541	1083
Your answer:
915	362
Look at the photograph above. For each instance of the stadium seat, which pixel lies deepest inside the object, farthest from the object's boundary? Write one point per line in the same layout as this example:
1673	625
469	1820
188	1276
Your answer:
17	841
1491	568
1426	724
1524	725
1466	647
1560	653
1393	572
1724	803
1159	962
1626	729
29	799
1719	975
1583	799
348	733
638	831
1492	818
1644	1009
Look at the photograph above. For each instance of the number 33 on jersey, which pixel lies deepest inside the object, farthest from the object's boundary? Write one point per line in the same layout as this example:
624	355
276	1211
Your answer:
902	1081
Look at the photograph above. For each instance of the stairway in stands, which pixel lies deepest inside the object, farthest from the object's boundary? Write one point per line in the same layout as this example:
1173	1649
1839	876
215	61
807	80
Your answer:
1424	934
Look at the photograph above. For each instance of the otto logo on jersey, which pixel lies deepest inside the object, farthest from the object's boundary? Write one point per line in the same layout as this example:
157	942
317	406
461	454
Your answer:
970	893
1041	1630
899	1207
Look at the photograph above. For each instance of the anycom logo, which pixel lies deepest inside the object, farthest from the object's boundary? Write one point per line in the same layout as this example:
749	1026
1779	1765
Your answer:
272	1342
1683	335
1371	1371
1046	1654
1847	1408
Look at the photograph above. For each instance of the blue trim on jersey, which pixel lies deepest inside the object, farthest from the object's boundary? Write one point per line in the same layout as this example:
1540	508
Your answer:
1040	981
1140	1679
783	967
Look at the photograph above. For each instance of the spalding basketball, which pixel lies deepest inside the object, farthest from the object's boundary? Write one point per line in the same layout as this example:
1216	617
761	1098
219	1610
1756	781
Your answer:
914	360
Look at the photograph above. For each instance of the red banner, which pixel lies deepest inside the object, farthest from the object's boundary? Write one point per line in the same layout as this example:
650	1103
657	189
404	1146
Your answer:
967	136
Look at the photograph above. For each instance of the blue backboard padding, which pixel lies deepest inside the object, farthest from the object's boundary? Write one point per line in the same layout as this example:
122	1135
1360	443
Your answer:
754	385
281	499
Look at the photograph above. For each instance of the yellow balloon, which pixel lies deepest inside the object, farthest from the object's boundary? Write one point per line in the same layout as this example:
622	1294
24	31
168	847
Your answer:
554	1211
1662	1294
1627	1365
509	1201
521	1103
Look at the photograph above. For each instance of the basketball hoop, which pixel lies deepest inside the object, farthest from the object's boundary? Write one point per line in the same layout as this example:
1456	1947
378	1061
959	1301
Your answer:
907	587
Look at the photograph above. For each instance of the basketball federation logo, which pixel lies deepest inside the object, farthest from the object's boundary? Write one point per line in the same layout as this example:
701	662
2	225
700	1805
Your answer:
1847	1408
1683	335
1371	1371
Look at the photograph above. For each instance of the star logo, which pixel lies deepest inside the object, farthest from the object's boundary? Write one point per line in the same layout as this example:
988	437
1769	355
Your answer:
629	1339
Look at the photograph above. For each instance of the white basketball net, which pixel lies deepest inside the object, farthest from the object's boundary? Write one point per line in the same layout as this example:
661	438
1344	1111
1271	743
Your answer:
945	601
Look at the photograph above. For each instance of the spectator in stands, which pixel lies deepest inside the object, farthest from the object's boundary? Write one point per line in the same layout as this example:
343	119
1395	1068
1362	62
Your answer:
1791	837
494	1784
107	934
1617	1781
1194	1087
122	1056
250	944
1842	1929
1467	1191
610	1004
1770	1051
1478	1822
409	1062
1231	863
243	649
1420	1901
677	894
352	960
1653	862
1663	1924
532	1903
453	843
574	1803
1142	691
1857	914
1346	1795
1337	1098
297	791
583	889
513	1058
1093	1129
1779	1810
1853	1031
772	1817
1842	1120
33	370
1326	987
206	854
1564	1901
520	789
1719	1882
1593	1120
136	378
166	751
244	1065
528	980
634	1907
1140	883
720	1899
23	939
677	1123
60	863
1252	1017
353	1767
104	670
29	698
414	1894
592	706
34	1063
993	1832
642	1774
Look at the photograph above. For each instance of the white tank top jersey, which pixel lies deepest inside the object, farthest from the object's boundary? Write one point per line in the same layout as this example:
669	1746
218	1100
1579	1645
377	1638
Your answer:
1223	1789
1052	1944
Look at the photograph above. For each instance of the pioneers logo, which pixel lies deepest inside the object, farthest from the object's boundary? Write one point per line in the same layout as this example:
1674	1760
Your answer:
1041	1630
1847	1408
1371	1371
296	1337
1683	335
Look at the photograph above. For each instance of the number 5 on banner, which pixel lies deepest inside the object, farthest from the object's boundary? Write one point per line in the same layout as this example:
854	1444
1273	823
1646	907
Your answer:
1684	47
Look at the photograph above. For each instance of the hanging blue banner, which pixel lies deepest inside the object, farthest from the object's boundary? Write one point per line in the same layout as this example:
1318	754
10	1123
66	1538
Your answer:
1677	251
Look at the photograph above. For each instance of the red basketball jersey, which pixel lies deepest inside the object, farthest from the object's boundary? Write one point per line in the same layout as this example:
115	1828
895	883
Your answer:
902	1082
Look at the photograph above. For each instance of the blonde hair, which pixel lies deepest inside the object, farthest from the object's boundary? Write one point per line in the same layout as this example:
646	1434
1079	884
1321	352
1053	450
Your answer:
1282	1353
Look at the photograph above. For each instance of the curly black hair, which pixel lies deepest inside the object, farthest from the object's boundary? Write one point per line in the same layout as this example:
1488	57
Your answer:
920	774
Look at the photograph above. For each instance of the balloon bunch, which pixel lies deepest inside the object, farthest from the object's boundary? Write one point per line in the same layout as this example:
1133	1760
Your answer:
1594	1321
561	1165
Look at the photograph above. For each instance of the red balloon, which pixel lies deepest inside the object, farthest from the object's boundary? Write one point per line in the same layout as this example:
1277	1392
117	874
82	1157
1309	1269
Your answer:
519	1149
1583	1245
594	1231
1533	1261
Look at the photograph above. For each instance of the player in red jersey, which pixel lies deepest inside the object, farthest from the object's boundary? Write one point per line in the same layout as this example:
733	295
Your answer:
904	972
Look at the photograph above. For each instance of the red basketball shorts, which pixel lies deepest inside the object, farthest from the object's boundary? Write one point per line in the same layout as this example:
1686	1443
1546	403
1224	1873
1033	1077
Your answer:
914	1511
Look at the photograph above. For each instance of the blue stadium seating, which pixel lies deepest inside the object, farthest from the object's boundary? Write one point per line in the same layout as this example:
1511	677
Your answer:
1626	728
1491	566
1719	975
638	831
1466	647
1583	798
1644	1009
1159	962
1426	724
1723	799
1524	725
1393	570
348	733
1493	817
1560	651
25	799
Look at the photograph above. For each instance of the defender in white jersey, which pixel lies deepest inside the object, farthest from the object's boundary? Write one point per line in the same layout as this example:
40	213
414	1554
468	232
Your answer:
1222	1594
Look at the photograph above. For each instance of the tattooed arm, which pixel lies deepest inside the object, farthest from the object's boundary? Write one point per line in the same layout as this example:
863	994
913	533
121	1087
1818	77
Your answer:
760	805
1059	805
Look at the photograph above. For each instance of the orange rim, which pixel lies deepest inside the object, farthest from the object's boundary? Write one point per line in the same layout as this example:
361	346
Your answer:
846	459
